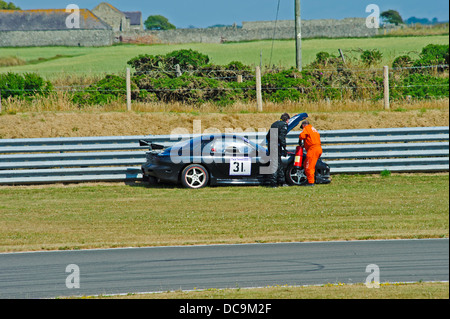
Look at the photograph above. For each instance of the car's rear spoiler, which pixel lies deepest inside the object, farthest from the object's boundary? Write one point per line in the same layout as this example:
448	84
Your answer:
151	145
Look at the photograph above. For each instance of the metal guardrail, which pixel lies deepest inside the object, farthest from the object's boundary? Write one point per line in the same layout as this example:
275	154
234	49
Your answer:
84	159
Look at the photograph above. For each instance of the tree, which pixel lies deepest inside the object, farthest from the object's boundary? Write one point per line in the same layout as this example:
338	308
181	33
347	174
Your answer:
8	6
158	22
392	16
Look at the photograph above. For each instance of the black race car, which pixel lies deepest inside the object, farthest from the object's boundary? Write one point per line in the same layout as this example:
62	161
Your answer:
218	160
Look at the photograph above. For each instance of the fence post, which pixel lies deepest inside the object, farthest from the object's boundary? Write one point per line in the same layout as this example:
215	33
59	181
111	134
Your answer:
258	89
178	70
386	87
239	78
342	55
0	101
128	89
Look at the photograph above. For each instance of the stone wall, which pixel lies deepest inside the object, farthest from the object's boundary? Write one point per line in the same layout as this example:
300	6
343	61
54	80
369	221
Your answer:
329	28
85	38
250	31
260	30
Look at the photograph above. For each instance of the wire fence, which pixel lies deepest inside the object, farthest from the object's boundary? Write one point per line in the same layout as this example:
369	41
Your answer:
87	88
384	84
392	71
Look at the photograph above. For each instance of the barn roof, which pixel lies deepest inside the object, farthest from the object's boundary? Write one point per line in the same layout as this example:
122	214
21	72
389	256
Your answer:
134	16
44	20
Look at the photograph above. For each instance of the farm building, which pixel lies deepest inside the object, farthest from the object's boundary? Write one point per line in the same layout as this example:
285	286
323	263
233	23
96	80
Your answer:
24	28
118	20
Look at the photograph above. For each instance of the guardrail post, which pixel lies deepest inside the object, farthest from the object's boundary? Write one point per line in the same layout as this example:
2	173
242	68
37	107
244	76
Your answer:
386	87
128	89
258	89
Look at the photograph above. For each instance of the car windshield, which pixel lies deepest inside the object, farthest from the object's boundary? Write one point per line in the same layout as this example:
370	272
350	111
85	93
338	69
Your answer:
259	148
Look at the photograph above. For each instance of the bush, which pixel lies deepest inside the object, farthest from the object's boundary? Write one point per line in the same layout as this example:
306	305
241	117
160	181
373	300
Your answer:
166	64
145	63
283	95
433	54
187	59
36	85
371	57
226	73
24	86
158	22
191	62
424	86
111	88
200	81
287	85
325	59
186	88
322	57
403	61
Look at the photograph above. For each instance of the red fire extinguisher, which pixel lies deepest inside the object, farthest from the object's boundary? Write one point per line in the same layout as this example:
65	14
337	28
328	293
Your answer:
298	156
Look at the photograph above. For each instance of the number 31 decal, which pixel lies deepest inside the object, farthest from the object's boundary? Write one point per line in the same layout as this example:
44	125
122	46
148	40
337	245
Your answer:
240	166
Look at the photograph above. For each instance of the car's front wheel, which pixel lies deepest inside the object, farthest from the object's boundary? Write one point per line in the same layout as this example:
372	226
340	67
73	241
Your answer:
194	176
296	175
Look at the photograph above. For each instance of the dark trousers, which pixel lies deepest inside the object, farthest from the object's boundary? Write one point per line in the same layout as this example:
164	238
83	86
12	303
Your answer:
278	176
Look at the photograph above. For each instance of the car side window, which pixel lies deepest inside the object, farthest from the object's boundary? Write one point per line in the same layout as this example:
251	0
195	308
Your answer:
230	146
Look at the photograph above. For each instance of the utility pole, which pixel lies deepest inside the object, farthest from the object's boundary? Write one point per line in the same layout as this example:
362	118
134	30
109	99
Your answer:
128	83
298	34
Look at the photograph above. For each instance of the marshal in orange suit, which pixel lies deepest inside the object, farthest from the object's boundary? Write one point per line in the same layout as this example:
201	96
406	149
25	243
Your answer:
313	146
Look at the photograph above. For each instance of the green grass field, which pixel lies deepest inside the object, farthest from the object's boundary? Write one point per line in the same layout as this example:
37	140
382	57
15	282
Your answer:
104	216
60	61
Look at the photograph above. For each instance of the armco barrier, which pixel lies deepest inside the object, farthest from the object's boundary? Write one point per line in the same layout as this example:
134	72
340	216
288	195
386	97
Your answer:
85	159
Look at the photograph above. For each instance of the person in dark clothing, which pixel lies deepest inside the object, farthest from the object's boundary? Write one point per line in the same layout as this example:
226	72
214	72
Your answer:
277	177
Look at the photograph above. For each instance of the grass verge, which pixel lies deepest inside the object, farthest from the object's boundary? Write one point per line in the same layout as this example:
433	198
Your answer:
62	102
107	216
418	290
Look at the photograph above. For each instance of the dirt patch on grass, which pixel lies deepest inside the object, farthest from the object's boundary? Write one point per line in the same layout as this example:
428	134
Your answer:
75	124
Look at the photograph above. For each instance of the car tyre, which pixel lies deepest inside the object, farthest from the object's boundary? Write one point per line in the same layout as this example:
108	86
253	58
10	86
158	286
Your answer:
152	181
296	176
194	176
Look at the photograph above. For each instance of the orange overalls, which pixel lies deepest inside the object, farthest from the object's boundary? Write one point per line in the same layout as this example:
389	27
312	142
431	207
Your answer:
313	148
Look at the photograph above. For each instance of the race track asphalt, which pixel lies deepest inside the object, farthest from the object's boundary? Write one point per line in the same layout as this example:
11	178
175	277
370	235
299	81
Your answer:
155	269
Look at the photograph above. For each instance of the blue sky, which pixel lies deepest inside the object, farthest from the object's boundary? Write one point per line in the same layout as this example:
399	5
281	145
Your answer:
204	13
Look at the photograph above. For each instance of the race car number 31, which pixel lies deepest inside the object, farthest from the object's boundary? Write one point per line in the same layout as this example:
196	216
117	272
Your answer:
240	166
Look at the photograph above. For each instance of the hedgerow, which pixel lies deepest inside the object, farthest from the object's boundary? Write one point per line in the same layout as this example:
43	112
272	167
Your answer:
189	77
413	85
433	54
24	86
325	78
111	88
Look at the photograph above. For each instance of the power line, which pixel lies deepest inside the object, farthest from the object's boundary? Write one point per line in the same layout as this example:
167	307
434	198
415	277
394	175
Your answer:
274	32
